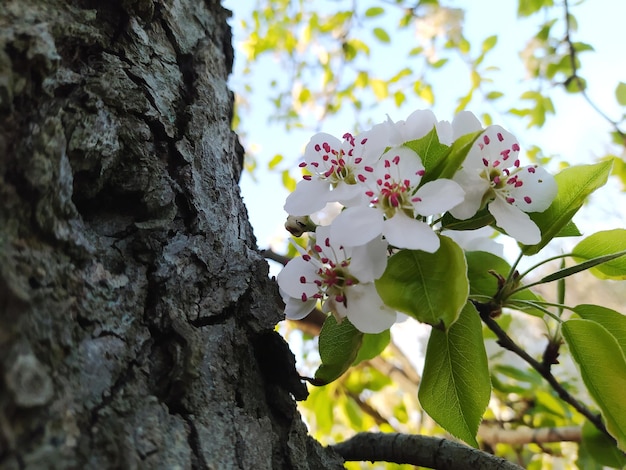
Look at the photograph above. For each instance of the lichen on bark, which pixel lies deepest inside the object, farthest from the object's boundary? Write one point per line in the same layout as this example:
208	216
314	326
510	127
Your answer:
136	314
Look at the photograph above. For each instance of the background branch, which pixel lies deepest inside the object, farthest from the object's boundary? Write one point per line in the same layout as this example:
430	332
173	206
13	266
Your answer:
424	451
519	436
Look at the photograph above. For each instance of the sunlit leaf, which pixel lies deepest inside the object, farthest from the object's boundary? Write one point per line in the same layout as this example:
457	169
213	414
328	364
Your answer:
275	161
489	43
455	386
620	93
374	11
381	35
603	368
601	244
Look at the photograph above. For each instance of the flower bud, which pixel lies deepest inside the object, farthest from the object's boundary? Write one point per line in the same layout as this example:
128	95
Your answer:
298	224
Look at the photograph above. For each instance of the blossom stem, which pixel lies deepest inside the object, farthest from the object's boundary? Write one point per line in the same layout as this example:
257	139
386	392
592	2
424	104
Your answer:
537	305
509	278
545	261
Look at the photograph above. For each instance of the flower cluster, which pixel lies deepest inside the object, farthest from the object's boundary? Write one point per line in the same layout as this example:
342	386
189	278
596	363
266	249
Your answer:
389	202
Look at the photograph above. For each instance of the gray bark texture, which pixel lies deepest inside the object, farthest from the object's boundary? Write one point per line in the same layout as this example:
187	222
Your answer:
136	315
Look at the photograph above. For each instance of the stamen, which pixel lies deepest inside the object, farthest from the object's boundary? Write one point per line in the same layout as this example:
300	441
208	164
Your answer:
486	139
528	199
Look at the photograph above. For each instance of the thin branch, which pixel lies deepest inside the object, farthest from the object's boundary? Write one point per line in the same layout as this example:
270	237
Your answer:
424	451
519	436
578	79
272	255
506	342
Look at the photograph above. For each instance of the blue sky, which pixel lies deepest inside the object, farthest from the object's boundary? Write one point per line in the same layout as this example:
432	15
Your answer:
576	133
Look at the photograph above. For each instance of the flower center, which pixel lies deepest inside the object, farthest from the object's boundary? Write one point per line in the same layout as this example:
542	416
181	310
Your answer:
334	165
331	278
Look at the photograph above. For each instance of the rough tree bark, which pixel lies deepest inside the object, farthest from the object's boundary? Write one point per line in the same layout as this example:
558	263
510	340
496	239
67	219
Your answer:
136	316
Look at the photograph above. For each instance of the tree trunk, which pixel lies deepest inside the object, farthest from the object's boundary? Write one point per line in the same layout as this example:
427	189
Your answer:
136	315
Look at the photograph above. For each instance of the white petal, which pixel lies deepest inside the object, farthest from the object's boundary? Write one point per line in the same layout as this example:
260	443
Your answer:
366	311
476	240
465	123
290	278
403	232
444	132
494	144
349	194
308	197
356	226
418	124
475	188
514	222
401	163
321	144
296	309
438	196
374	143
537	191
368	262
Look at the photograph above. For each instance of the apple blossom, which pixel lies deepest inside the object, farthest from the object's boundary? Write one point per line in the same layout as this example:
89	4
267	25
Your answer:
492	176
333	166
342	278
396	204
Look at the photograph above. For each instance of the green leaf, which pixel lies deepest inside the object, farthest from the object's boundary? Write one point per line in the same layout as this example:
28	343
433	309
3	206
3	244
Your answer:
430	150
430	287
483	283
459	150
381	35
374	11
455	386
372	346
601	244
339	344
614	322
482	218
620	93
600	447
565	272
570	230
574	185
441	161
603	368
